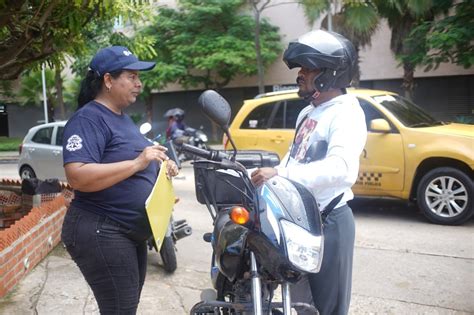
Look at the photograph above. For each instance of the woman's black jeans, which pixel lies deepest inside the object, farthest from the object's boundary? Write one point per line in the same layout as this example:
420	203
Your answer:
113	264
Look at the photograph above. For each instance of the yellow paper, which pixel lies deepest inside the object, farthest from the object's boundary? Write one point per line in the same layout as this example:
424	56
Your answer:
159	205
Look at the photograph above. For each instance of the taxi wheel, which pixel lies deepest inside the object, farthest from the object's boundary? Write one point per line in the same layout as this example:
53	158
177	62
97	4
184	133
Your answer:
445	196
27	172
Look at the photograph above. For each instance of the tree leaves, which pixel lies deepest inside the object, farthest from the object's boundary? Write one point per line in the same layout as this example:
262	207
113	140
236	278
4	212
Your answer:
207	43
450	39
34	31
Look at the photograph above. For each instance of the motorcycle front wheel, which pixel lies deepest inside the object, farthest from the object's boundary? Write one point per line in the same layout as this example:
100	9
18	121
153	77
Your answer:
168	255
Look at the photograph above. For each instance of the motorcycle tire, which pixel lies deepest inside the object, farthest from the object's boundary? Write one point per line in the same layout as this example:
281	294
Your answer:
168	255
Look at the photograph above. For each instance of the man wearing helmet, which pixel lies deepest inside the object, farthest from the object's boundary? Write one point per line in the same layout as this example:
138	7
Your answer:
324	156
176	125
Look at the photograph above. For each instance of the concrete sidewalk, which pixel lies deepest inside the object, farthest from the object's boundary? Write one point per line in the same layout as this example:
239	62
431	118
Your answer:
9	155
56	286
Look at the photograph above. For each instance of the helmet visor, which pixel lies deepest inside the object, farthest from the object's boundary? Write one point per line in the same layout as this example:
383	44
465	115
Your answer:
301	55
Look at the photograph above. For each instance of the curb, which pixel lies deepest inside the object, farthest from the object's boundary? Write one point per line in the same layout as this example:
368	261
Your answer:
8	159
9	156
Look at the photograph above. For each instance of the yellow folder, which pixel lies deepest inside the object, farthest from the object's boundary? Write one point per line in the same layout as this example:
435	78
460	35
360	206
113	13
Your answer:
159	205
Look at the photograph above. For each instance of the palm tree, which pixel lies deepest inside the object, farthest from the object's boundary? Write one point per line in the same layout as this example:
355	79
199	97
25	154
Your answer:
31	91
357	21
403	16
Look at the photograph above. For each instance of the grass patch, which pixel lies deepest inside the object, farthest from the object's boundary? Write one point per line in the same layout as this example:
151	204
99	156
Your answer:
9	144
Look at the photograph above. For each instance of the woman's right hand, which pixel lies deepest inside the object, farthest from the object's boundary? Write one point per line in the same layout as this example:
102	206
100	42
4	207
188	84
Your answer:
151	153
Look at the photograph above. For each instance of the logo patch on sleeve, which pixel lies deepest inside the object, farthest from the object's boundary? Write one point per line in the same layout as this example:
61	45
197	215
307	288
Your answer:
74	143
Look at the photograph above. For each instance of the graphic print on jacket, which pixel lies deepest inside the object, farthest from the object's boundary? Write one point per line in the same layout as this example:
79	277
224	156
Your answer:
300	146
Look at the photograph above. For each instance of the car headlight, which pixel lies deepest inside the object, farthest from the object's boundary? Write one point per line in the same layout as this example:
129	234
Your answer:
305	250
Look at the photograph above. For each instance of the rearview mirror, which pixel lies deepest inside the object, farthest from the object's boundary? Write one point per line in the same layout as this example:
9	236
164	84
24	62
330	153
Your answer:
216	108
380	125
145	128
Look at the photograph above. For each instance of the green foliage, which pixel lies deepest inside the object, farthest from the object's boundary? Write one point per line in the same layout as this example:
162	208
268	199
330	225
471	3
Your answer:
361	17
100	34
9	144
97	35
71	92
207	43
314	8
34	31
6	90
403	16
449	39
136	117
31	91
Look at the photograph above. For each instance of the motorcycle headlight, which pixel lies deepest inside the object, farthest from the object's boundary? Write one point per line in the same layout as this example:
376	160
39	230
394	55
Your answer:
204	138
305	250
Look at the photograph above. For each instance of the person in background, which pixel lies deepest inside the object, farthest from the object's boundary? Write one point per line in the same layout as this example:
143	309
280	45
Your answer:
176	125
324	157
112	169
171	121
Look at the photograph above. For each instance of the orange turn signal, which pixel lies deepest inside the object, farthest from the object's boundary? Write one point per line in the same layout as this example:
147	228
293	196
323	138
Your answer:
239	215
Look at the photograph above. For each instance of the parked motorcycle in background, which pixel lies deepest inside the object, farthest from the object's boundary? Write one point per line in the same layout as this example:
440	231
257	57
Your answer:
263	237
176	229
180	133
191	136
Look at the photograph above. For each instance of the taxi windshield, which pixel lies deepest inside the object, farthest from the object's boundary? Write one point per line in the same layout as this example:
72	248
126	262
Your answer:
406	112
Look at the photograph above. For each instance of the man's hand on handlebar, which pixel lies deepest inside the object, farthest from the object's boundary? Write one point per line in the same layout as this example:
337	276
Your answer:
261	175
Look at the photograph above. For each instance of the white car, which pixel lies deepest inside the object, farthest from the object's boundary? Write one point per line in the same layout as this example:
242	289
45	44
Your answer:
41	153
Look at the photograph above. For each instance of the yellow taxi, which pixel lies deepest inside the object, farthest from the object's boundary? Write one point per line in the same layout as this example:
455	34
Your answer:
408	154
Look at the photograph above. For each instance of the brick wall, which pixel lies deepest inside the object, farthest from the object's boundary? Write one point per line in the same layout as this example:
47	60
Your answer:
24	244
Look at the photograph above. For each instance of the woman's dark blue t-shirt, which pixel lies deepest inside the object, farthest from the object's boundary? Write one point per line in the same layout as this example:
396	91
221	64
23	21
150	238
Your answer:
95	134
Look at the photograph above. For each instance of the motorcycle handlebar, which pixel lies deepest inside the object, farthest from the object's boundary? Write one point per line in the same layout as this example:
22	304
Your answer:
212	155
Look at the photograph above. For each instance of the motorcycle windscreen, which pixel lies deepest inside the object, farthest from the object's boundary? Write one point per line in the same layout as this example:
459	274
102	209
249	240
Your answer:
293	202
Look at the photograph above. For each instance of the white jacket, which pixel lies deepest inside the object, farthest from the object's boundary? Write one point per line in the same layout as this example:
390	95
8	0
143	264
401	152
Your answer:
341	123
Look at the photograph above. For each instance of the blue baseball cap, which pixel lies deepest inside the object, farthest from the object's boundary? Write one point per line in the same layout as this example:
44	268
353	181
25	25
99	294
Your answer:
116	58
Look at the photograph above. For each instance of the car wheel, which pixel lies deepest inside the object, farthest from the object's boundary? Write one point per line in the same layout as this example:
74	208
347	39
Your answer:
445	196
27	172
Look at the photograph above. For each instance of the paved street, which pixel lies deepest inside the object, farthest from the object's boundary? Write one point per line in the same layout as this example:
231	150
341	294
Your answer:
403	265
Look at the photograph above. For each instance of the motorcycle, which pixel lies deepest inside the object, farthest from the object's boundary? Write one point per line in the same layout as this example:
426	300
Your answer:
263	237
191	136
176	229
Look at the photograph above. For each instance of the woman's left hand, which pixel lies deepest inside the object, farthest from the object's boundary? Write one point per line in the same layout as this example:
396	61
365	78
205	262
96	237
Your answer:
171	169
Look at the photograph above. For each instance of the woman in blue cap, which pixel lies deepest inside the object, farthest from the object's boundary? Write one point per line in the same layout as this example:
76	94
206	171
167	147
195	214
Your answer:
112	169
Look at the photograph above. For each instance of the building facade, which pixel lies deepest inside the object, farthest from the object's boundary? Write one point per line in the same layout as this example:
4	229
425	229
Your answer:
447	92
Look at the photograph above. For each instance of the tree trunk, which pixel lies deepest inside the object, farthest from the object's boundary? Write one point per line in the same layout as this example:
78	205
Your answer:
408	79
356	75
58	83
149	113
260	71
51	108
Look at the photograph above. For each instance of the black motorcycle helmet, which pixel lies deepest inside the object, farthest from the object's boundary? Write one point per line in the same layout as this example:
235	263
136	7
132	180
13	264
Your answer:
330	52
